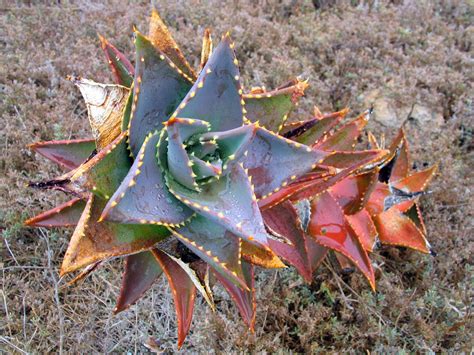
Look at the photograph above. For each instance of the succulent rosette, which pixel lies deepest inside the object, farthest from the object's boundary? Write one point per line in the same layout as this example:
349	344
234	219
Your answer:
189	177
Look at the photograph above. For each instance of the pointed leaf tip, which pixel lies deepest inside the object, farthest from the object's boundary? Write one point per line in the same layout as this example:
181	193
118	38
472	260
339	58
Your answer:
274	161
183	291
244	299
207	47
272	108
158	89
345	137
215	96
65	215
121	67
162	39
394	228
141	271
67	153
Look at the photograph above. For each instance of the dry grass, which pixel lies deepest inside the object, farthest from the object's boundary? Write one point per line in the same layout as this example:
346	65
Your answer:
417	53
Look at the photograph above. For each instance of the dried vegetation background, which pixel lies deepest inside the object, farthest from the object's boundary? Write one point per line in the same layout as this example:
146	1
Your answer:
411	60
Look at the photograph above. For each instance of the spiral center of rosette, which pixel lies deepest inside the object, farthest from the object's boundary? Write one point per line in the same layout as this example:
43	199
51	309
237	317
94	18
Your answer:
193	156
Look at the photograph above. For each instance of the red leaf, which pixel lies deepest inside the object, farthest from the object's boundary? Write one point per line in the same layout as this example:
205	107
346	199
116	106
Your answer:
68	153
355	160
396	229
375	204
283	220
141	271
121	67
416	181
183	290
345	137
330	228
402	165
364	227
65	215
353	192
245	300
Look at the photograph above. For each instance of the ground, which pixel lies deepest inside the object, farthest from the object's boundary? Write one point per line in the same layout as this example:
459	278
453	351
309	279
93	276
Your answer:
411	60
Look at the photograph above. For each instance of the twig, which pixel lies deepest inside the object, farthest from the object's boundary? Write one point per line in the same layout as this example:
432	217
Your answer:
10	251
329	266
24	316
22	268
8	342
56	292
6	311
136	332
20	118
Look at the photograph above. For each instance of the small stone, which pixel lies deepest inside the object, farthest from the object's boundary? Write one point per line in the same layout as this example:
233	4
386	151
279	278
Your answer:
425	116
391	114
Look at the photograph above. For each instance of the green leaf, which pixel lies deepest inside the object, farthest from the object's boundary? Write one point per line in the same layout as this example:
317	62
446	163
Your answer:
274	161
178	162
94	241
232	144
271	109
215	245
203	169
106	170
158	89
215	96
143	196
127	112
228	201
201	149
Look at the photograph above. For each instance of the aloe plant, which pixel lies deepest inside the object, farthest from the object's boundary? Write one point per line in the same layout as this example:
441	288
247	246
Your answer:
189	176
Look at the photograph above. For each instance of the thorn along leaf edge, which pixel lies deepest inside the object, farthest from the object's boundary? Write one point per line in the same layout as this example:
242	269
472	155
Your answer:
188	176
